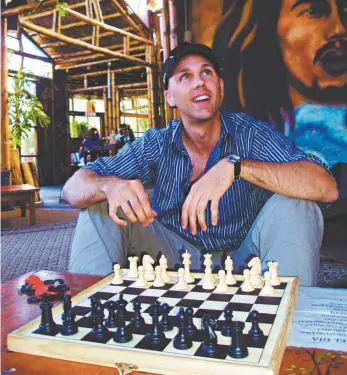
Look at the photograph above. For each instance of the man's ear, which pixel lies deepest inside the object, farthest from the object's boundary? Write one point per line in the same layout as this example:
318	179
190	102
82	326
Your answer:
169	99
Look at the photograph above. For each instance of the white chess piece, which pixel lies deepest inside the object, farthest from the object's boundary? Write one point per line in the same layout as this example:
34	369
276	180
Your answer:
208	281
188	277
273	268
222	287
147	262
256	280
230	279
181	284
208	265
117	279
268	289
247	286
133	273
163	264
158	282
141	281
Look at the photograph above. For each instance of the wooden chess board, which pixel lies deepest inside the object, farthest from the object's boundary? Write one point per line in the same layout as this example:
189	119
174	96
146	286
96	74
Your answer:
275	317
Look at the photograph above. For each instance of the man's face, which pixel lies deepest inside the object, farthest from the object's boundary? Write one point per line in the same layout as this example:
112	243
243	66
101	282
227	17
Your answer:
313	39
195	89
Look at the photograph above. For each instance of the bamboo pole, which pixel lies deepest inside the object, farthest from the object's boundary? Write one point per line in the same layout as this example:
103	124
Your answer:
126	45
138	115
132	85
54	23
84	89
149	89
85	81
105	125
117	109
5	130
173	24
113	99
128	18
165	29
82	23
80	43
92	56
91	74
13	11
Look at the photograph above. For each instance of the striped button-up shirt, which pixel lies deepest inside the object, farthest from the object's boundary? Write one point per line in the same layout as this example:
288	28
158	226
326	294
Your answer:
160	157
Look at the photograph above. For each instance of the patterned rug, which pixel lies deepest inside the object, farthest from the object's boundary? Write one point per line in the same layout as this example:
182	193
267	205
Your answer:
48	247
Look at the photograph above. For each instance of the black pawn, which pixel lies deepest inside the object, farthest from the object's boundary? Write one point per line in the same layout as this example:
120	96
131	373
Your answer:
137	322
190	327
47	325
111	321
165	323
123	333
68	317
182	341
255	331
99	330
156	336
226	327
238	347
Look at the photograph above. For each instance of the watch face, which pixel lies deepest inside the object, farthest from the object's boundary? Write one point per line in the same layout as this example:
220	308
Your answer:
233	158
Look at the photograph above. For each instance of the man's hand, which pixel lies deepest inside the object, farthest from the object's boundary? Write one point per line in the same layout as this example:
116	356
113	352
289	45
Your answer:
131	196
210	187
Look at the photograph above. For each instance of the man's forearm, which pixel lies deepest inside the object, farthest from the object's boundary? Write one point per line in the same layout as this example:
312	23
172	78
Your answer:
84	188
301	179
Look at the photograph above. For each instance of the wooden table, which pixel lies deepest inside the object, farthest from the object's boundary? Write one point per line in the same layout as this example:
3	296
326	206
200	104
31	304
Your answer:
21	193
17	312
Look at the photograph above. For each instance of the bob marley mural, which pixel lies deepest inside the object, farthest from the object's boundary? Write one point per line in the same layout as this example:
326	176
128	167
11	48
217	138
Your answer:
285	61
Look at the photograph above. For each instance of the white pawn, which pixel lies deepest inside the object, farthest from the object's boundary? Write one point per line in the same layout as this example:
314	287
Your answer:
268	289
117	279
147	262
208	281
247	286
230	279
133	273
273	268
163	264
158	282
141	281
222	287
256	280
188	277
181	284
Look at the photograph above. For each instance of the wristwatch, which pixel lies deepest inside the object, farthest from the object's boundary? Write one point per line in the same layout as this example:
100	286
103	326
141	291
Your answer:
236	160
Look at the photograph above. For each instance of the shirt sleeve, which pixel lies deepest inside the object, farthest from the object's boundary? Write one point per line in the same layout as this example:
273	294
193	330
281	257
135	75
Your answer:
137	160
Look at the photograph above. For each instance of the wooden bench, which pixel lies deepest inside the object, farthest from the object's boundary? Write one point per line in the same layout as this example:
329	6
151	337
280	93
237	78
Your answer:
21	193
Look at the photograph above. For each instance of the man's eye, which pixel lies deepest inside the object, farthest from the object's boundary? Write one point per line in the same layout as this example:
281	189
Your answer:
317	9
184	77
206	72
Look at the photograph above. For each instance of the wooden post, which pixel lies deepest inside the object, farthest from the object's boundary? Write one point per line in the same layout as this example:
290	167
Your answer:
5	130
149	58
173	24
113	100
117	109
104	96
109	98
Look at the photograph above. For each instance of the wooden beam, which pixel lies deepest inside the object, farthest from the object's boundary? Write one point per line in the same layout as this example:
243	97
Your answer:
17	10
165	29
88	64
138	115
80	43
132	85
81	23
94	55
102	72
173	24
107	27
84	89
5	130
128	18
24	54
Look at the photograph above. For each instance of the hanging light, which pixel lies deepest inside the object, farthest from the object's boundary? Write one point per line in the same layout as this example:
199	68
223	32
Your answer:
154	5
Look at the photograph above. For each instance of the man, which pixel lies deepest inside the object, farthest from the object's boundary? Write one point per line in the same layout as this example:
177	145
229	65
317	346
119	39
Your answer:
212	174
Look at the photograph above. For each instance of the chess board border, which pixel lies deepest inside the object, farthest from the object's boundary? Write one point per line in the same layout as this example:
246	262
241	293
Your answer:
152	361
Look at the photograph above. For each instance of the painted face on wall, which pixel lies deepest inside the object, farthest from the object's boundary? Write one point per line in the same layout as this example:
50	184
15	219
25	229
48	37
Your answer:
313	39
195	89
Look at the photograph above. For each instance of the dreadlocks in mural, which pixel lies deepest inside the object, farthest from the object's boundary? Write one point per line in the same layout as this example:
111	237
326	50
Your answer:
286	61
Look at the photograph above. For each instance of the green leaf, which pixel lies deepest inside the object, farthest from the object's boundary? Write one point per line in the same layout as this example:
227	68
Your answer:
61	8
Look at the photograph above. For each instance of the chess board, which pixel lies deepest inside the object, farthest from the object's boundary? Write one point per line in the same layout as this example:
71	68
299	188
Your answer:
275	317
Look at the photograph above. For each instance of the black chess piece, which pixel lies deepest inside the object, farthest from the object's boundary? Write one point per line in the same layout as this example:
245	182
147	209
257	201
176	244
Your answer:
238	347
255	330
190	326
111	321
123	333
68	318
47	325
156	336
137	322
165	323
209	324
94	302
99	329
182	341
226	327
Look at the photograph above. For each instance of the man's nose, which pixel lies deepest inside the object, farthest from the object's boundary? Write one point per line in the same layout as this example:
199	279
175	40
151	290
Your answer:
338	23
198	82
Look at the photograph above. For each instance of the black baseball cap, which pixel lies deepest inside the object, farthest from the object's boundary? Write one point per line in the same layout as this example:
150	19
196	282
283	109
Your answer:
183	50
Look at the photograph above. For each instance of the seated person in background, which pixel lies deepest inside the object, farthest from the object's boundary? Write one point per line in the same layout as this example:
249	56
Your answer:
225	184
92	139
125	135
